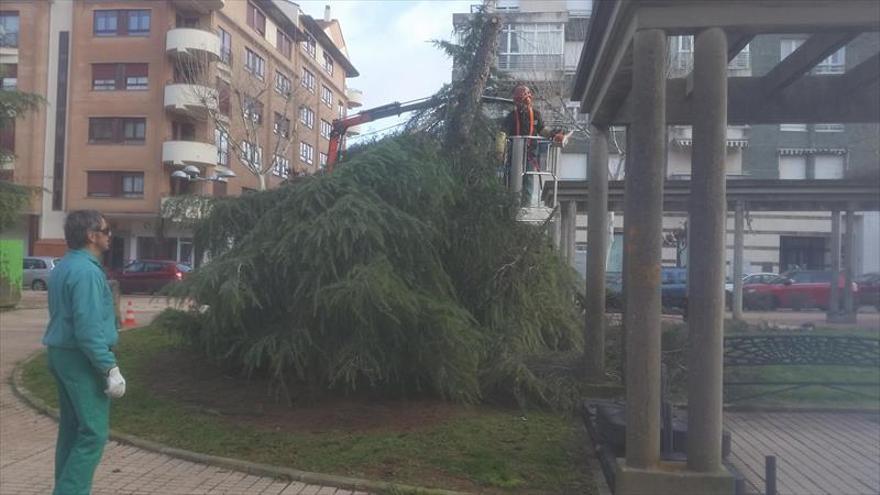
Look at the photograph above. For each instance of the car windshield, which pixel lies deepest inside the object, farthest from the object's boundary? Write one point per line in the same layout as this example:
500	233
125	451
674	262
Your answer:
183	268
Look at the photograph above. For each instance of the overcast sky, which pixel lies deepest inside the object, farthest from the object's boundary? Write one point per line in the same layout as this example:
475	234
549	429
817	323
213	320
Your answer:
389	43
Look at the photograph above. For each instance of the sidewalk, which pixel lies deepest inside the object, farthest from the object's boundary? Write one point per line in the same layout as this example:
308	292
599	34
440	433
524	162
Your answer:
28	438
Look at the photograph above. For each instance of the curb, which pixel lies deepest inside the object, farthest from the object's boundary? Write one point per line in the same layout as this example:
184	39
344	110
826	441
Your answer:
254	468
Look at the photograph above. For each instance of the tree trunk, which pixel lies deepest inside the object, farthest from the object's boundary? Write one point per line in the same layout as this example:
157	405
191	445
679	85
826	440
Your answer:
262	177
466	104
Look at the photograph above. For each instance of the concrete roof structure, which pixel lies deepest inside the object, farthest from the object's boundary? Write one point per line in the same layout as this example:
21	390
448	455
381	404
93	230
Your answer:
623	79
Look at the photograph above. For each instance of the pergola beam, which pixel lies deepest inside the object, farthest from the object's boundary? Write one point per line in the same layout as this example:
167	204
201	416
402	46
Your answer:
811	99
863	74
816	49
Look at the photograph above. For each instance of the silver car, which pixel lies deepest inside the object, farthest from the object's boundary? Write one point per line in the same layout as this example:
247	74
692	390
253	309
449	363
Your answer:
36	271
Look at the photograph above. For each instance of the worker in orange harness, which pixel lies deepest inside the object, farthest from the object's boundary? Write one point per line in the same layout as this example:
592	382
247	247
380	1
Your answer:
524	120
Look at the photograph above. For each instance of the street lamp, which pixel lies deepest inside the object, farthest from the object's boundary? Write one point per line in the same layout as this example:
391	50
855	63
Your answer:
191	173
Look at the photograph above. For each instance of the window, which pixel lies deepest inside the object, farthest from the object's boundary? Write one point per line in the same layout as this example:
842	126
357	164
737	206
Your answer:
117	130
9	29
283	43
323	162
310	45
824	166
134	130
828	127
256	19
835	64
132	185
307	117
308	80
328	64
251	154
254	63
115	184
106	22
225	46
223	94
282	125
282	84
326	96
121	22
340	110
828	167
138	22
682	52
793	127
531	46
221	141
8	76
306	153
110	77
253	110
281	167
326	128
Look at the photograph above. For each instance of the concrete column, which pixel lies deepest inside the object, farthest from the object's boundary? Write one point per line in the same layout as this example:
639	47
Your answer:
708	219
834	299
565	231
597	253
848	269
570	210
643	217
738	246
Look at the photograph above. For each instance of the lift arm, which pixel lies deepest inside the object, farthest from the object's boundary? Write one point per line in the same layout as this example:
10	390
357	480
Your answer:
340	126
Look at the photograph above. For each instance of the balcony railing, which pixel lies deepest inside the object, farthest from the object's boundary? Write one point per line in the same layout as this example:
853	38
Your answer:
200	6
183	153
192	41
193	100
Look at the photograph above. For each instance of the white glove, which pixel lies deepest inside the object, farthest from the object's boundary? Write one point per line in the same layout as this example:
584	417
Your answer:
115	384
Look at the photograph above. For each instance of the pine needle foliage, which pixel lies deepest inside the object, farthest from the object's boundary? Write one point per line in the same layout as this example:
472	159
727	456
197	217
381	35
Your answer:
404	273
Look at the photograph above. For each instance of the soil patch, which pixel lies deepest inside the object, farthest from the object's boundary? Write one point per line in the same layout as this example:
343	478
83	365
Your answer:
184	376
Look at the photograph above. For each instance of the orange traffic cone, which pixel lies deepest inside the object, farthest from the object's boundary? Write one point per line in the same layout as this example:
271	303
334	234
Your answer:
129	317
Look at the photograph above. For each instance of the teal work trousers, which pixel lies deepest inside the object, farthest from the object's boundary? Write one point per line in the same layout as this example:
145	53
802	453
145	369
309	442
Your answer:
84	421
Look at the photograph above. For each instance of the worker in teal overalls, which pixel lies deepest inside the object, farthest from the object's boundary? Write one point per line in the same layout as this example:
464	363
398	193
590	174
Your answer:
81	332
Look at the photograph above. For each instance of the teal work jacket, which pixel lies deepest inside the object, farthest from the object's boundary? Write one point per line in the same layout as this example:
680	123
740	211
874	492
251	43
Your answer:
81	311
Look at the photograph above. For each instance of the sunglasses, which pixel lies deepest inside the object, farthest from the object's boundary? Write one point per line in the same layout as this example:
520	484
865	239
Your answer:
105	231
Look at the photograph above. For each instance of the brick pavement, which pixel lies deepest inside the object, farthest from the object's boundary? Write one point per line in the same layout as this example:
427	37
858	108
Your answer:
28	438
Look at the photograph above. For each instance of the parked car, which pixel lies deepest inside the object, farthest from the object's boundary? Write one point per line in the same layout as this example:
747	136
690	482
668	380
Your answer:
673	288
36	269
149	276
869	290
796	290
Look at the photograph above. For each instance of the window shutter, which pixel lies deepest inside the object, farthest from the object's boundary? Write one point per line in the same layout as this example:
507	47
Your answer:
101	183
251	10
136	70
103	71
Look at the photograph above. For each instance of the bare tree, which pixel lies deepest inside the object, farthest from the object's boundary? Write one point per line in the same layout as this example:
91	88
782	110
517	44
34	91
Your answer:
248	106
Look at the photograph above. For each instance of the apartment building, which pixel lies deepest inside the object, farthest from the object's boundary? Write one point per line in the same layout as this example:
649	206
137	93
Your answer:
137	90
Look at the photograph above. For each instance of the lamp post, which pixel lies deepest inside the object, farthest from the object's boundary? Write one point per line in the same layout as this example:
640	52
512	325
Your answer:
191	173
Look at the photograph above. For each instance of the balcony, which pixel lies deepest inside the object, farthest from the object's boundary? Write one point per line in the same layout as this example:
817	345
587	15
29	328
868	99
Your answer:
191	100
183	153
191	42
200	6
355	97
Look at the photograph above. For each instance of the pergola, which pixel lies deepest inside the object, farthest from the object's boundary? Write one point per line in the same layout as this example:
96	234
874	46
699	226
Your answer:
622	80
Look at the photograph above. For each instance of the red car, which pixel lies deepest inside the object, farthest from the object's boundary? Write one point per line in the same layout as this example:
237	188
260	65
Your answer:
149	276
796	290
